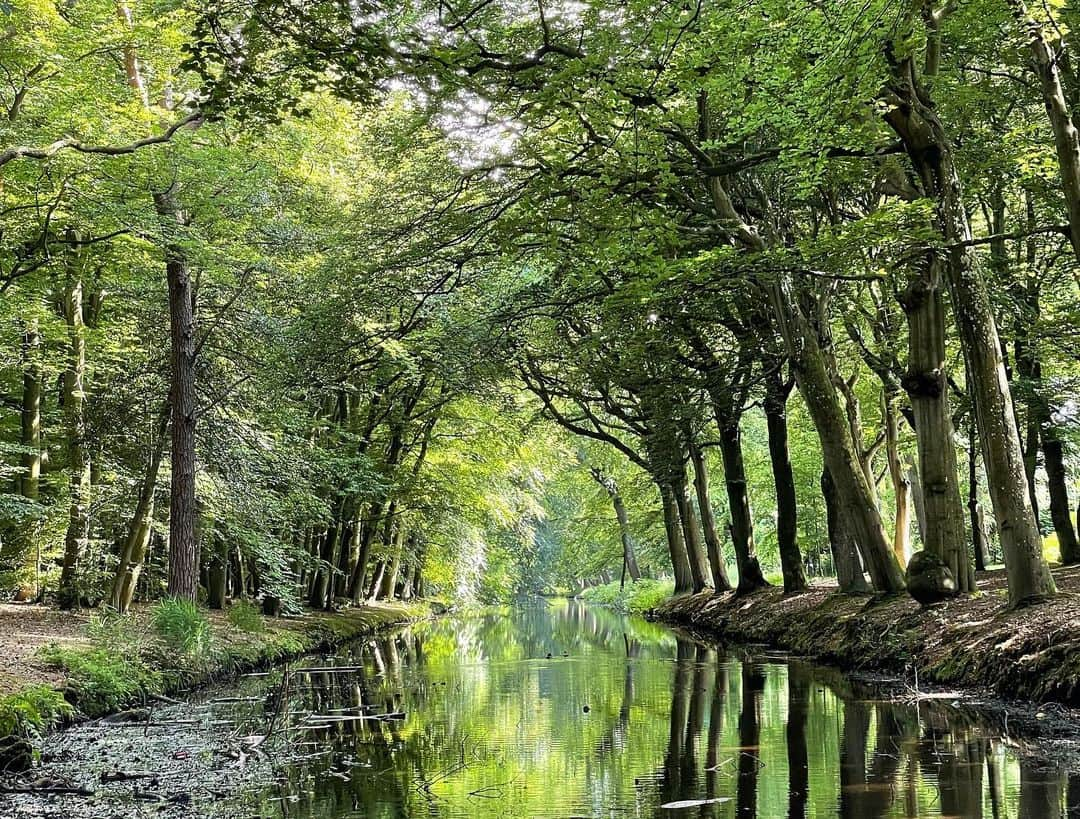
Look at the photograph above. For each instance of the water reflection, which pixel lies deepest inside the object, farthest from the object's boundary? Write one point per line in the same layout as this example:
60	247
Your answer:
564	710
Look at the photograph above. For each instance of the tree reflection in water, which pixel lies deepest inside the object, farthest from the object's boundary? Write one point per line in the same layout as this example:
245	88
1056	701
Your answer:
499	723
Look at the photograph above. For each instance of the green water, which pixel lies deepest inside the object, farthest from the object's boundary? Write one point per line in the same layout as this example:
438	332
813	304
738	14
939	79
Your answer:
563	710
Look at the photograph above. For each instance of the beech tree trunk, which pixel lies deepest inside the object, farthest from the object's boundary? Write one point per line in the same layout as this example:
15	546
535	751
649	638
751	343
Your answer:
920	130
695	549
742	524
787	528
1059	496
183	543
680	560
899	478
609	485
980	545
927	386
845	553
133	551
854	497
31	413
713	545
78	528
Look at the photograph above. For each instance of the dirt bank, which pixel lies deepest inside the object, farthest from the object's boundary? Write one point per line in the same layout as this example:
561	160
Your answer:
105	672
1029	654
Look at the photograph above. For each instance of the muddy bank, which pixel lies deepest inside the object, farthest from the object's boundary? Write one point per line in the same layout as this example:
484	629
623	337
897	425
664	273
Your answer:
1030	654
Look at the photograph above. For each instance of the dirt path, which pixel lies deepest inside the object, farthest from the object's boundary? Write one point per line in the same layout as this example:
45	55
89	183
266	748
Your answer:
24	628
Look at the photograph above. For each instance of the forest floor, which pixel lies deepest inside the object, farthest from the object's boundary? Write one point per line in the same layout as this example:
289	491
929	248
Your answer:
1032	653
105	669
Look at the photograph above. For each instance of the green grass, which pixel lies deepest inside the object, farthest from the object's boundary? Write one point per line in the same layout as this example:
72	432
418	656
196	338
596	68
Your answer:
245	616
636	598
33	710
182	626
101	679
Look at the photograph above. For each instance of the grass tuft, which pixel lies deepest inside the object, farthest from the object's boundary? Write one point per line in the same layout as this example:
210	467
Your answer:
635	598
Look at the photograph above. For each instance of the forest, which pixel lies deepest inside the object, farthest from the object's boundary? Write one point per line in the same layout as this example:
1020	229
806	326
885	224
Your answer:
311	304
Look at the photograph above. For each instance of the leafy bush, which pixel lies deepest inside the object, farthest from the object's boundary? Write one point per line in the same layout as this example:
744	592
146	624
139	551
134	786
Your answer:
101	679
244	615
636	598
182	626
32	710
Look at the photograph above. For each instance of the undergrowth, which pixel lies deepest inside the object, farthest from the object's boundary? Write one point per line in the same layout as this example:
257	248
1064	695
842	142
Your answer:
33	710
637	597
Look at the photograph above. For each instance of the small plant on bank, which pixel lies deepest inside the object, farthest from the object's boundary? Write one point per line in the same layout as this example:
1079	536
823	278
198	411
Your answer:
33	710
182	626
245	616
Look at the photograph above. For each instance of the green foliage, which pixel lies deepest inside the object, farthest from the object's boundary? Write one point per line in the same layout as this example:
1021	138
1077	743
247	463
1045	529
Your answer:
635	598
245	616
32	710
101	679
182	626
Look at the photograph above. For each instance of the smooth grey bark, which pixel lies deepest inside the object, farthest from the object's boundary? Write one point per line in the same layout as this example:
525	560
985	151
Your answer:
845	553
78	529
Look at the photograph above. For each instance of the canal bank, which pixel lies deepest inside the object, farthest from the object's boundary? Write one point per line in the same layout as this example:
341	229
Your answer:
1030	654
104	666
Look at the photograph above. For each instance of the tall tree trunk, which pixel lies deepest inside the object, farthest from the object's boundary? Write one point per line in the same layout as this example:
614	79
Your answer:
609	485
845	553
1059	495
899	478
390	576
742	524
320	588
927	386
78	529
369	526
920	130
855	499
708	520
680	560
133	551
787	528
695	549
1066	138
31	413
978	524
183	544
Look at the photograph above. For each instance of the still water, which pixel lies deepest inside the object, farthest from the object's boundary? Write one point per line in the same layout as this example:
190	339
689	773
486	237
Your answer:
564	710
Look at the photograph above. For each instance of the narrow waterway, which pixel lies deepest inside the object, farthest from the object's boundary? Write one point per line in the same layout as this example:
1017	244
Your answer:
559	710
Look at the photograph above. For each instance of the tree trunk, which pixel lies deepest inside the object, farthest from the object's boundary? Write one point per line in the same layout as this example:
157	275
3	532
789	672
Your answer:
1059	495
369	525
927	386
695	550
917	125
31	413
630	565
854	496
680	560
708	520
742	525
846	562
899	478
133	552
183	544
1066	138
321	585
78	529
978	529
390	575
787	529
217	572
